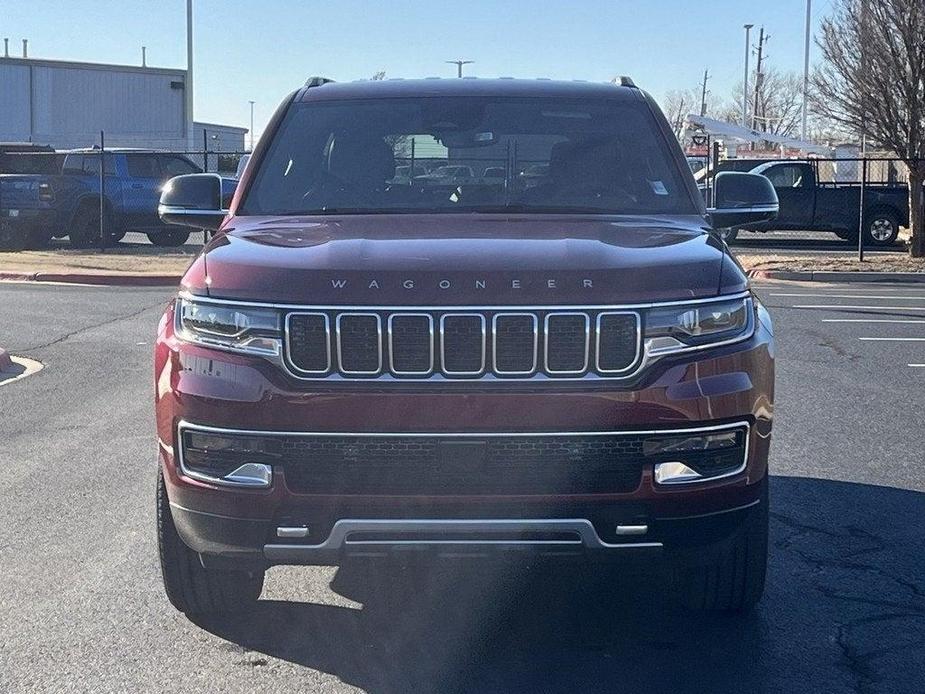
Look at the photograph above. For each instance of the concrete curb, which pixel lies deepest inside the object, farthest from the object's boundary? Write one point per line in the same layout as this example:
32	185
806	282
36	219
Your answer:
829	276
6	364
91	278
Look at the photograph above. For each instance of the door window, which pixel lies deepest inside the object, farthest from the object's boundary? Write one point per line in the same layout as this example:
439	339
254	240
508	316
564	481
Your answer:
142	166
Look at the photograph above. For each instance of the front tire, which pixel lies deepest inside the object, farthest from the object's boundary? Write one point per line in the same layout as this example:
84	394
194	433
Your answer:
169	238
730	579
190	587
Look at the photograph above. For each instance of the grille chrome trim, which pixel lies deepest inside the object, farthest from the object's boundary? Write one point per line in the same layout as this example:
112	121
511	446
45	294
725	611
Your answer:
494	343
290	362
597	343
340	355
430	325
484	324
546	342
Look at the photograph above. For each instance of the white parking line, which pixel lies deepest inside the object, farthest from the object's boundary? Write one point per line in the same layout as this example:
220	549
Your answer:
871	320
879	308
917	366
892	339
857	296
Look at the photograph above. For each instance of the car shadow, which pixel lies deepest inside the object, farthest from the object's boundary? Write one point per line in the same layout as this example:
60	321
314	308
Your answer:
844	611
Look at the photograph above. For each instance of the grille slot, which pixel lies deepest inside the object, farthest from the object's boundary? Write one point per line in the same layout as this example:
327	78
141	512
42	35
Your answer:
411	344
462	343
567	342
309	344
359	343
514	343
617	337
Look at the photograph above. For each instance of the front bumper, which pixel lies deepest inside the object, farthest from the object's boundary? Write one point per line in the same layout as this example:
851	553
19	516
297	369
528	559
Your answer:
713	388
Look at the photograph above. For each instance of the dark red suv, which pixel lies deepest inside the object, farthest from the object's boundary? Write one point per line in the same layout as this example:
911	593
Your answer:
558	356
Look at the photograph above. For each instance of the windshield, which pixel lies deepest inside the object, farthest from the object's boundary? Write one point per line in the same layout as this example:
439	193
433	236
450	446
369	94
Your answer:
446	154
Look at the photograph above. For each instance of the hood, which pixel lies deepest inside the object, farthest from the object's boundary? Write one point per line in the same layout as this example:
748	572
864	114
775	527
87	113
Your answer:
450	260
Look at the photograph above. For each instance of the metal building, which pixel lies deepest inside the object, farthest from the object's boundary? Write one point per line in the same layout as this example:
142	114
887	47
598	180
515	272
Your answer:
67	104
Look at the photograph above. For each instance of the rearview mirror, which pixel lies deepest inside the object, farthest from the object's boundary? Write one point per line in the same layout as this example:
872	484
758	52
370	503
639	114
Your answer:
193	200
741	198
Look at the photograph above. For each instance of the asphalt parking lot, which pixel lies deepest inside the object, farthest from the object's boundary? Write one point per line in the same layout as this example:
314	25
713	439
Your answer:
81	606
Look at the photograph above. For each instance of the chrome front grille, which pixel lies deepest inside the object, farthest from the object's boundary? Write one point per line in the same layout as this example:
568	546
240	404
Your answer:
462	344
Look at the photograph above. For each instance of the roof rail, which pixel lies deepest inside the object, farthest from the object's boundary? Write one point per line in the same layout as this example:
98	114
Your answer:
316	81
627	82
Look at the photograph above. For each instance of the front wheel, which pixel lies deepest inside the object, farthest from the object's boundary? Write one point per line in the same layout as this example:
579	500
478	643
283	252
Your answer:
881	229
192	588
730	579
169	238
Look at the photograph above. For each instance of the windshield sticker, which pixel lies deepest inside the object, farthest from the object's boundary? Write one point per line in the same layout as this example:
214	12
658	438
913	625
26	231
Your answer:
658	188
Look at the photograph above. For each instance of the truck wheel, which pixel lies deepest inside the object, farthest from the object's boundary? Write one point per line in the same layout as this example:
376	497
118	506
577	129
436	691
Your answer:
881	228
730	579
39	238
169	238
728	235
190	587
10	238
85	227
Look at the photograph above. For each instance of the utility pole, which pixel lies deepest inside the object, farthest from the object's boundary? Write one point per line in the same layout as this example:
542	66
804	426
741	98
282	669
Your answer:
748	47
703	93
679	121
758	79
252	125
188	86
809	17
459	65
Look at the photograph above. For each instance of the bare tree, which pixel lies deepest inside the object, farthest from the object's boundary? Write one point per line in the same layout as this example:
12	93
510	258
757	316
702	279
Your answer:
680	102
872	80
779	102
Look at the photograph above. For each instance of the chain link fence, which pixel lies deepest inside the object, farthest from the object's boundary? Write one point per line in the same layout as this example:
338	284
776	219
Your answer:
831	210
98	198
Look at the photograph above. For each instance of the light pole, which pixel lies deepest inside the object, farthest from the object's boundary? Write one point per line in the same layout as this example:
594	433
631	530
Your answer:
809	16
252	125
748	31
459	64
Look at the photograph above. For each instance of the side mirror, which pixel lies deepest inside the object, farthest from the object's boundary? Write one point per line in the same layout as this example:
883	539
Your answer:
193	200
741	198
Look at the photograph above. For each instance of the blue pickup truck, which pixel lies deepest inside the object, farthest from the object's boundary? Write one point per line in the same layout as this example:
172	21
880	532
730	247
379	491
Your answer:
36	207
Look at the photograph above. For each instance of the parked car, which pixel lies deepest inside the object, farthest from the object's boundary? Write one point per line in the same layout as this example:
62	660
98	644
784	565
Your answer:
808	204
354	369
38	207
455	174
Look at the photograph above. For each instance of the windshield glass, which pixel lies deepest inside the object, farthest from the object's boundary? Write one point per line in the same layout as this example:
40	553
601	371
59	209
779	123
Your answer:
446	154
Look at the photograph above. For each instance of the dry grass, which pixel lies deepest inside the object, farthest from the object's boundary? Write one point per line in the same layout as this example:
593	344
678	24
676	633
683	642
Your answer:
134	260
874	262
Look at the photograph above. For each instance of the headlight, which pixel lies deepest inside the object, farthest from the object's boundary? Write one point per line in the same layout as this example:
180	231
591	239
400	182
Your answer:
676	328
235	328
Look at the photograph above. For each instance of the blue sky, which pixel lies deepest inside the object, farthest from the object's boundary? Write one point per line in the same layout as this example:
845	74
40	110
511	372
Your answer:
262	49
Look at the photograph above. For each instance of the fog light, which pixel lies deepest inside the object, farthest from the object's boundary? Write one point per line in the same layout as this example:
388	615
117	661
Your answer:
251	475
675	473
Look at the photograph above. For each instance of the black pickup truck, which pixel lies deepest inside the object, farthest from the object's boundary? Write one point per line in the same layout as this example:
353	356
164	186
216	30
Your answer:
808	202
